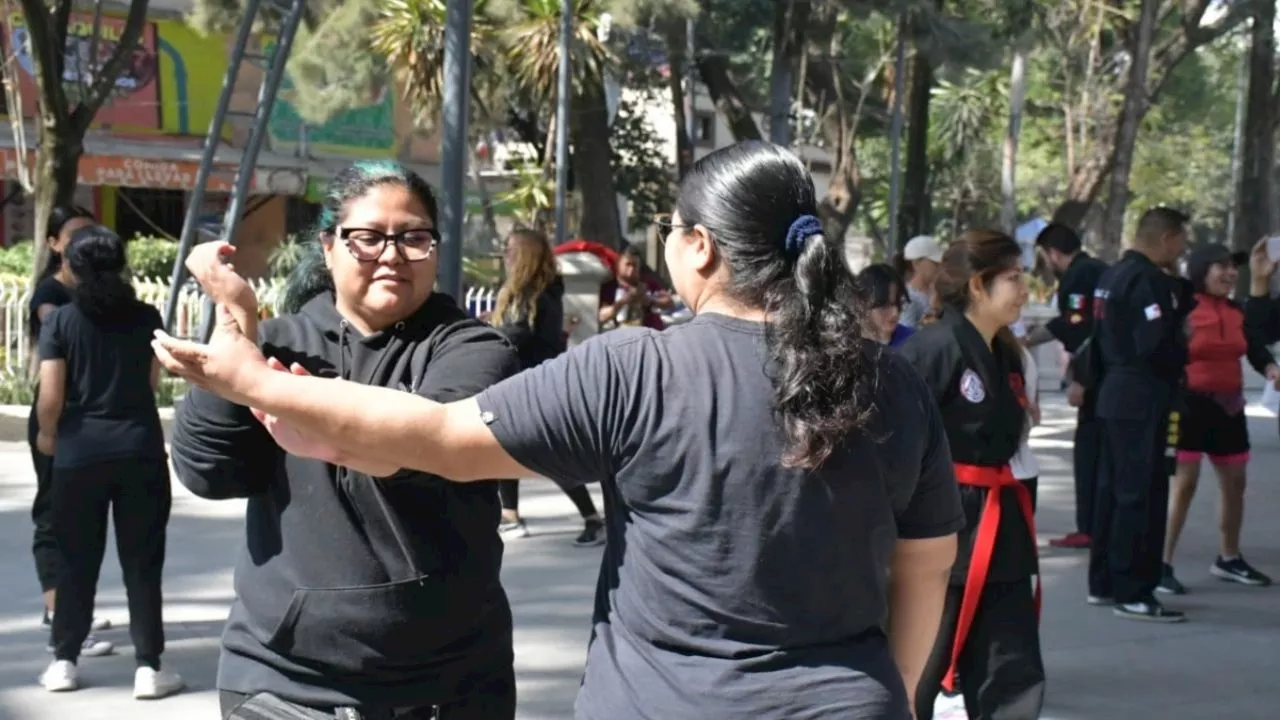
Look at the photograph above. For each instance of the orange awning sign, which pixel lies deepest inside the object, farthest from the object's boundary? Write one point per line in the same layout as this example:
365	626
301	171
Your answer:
115	171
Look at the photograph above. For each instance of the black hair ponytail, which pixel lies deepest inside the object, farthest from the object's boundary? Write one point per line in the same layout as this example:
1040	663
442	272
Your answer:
758	203
96	257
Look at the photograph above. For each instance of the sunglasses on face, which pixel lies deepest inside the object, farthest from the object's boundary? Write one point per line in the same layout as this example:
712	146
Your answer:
367	244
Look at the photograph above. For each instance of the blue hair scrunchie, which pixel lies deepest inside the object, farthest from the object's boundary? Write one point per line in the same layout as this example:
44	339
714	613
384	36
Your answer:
802	228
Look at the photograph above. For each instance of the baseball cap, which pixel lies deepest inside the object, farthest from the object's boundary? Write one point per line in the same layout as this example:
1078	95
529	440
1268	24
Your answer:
921	247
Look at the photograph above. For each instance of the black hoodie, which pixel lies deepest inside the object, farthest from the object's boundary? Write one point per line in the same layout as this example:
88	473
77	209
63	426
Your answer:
351	591
542	339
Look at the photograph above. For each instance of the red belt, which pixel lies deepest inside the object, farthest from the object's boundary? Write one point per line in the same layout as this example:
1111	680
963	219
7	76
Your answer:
994	479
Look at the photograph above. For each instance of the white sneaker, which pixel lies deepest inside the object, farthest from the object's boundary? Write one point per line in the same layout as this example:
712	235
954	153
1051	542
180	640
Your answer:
60	676
91	647
151	684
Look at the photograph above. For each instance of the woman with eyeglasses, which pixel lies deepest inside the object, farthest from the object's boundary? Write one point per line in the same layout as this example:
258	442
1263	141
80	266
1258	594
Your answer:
361	587
886	292
778	485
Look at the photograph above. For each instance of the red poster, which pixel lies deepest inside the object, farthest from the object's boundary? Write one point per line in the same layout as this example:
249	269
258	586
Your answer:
134	103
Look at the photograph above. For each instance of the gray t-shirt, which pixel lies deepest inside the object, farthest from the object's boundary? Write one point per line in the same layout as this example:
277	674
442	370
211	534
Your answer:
731	587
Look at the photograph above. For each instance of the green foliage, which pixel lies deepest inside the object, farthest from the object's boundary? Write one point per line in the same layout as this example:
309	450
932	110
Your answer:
285	257
16	389
151	257
532	195
642	171
17	259
324	87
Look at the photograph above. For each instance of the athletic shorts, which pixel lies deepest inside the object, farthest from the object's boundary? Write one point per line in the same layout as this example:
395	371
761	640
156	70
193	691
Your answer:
1206	428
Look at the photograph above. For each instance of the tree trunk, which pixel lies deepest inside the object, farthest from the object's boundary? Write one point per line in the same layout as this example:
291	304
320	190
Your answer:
1254	199
714	70
55	179
1008	176
780	74
916	211
1131	114
677	41
592	166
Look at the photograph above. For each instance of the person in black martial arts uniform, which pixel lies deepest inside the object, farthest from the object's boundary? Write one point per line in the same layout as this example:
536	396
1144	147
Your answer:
1078	275
1141	342
973	365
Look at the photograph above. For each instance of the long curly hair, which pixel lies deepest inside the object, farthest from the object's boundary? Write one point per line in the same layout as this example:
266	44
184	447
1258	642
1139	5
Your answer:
750	196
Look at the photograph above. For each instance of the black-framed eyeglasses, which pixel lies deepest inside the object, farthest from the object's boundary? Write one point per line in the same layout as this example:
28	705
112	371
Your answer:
367	244
666	223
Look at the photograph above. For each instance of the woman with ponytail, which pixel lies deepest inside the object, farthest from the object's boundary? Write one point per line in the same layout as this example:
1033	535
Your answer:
361	586
971	361
98	420
767	509
52	291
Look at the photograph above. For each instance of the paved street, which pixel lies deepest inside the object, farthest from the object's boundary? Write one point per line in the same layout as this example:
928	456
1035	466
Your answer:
1222	664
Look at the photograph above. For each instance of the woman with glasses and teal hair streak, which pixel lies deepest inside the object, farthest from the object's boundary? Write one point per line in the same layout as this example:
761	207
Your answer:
382	597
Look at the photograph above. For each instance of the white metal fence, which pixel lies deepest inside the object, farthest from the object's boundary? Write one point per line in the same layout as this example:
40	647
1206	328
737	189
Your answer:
15	296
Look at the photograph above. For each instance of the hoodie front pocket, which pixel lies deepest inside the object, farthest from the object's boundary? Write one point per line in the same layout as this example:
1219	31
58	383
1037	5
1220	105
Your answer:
387	631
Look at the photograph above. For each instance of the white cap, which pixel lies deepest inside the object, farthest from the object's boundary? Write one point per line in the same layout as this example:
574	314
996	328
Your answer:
920	247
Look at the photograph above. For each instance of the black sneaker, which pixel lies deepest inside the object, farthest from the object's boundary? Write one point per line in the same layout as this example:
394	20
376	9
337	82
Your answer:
1238	571
592	534
1100	600
1149	611
1169	584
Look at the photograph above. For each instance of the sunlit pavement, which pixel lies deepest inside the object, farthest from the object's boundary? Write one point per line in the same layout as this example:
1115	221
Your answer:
1222	664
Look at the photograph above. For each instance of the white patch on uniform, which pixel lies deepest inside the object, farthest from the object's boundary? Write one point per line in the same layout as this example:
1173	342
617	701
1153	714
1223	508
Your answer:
1152	311
971	387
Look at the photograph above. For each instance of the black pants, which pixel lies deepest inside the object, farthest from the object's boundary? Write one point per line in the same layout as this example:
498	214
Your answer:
44	546
1131	509
1000	668
1085	462
137	496
509	494
493	700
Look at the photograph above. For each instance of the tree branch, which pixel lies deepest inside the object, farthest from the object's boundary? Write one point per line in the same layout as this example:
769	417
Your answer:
105	78
48	53
1192	36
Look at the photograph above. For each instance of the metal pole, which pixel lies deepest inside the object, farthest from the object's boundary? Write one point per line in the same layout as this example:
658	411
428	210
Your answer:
562	121
895	135
253	145
190	224
453	158
1237	144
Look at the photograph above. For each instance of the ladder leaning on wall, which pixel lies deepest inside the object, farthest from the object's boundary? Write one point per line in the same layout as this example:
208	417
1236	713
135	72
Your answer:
282	18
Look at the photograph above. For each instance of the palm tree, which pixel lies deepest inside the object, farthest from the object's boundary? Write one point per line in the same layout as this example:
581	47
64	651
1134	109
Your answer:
521	60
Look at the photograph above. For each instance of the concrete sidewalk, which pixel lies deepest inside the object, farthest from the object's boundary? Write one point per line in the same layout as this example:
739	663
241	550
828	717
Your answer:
1222	664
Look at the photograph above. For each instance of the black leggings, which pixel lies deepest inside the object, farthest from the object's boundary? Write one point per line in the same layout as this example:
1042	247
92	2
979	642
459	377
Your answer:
509	493
137	496
44	546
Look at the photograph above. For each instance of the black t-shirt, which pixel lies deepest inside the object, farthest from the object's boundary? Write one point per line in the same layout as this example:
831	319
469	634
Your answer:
731	586
110	411
49	291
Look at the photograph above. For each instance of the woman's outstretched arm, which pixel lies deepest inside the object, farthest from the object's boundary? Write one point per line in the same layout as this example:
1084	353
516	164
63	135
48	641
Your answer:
356	421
